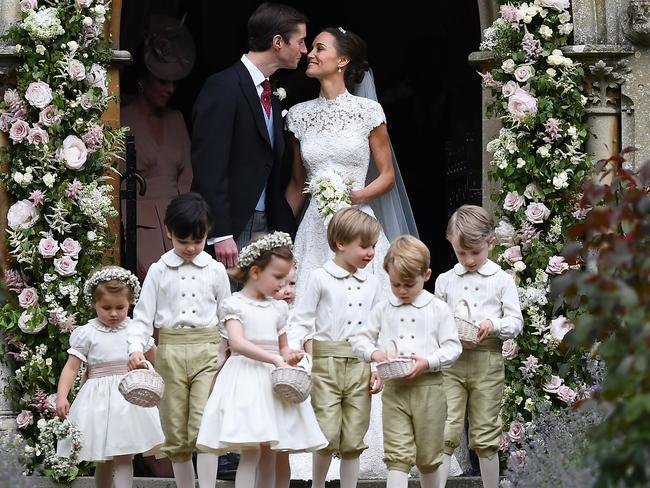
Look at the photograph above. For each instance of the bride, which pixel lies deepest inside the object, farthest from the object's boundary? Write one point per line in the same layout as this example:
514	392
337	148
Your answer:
343	133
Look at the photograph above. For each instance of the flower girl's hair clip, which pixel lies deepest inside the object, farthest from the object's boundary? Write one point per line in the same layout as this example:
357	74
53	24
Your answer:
254	250
110	273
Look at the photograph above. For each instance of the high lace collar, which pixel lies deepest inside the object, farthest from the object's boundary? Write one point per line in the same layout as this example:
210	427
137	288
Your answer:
102	328
334	101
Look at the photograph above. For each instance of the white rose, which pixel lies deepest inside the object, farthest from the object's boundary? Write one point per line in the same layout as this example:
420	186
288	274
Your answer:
48	247
18	48
509	88
523	73
544	151
556	58
70	247
65	266
91	235
519	266
73	153
83	3
38	94
565	30
19	177
537	212
281	93
27	297
521	162
512	254
556	265
40	49
76	70
72	46
505	233
560	326
100	10
531	191
513	201
27	179
41	424
551	72
553	384
521	103
87	21
22	215
555	4
546	32
96	77
509	349
508	66
49	179
19	130
561	180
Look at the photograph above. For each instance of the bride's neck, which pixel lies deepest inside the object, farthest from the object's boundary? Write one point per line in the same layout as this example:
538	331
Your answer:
330	89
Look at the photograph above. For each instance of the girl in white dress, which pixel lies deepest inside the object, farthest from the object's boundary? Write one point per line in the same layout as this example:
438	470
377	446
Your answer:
243	414
112	429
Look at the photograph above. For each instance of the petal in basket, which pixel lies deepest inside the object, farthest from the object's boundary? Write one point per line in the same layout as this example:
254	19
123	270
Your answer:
291	384
142	387
467	330
396	367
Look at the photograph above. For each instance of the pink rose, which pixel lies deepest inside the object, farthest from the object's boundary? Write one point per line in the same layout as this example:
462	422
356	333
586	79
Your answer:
517	433
509	349
556	265
22	215
73	153
521	104
512	254
38	94
536	212
566	394
76	70
27	297
19	130
518	458
509	89
24	419
5	121
555	4
49	116
513	201
86	101
26	5
65	266
50	402
48	247
560	326
523	73
504	442
70	247
37	136
553	384
531	192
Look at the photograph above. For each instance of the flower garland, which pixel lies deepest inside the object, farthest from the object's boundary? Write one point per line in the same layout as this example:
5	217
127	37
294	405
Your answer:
51	432
55	174
538	159
255	249
331	192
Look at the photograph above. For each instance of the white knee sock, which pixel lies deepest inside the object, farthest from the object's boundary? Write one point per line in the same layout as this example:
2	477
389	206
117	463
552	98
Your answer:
247	468
104	475
444	470
184	474
320	467
430	480
349	472
282	470
206	469
123	467
489	471
397	479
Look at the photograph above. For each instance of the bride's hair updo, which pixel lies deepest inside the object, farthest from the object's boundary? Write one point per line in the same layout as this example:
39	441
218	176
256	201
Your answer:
352	46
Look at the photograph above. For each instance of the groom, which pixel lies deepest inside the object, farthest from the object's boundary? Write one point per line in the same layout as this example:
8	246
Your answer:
237	140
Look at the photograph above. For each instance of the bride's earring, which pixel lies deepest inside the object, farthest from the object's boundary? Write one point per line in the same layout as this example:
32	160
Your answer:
339	69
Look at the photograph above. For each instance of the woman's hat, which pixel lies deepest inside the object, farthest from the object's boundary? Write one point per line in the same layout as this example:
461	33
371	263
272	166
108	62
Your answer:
169	51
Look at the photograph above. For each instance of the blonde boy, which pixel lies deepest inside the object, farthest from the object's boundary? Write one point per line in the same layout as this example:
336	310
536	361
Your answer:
476	379
421	327
331	309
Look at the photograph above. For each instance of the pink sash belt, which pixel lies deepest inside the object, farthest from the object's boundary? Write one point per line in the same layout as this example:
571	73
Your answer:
109	368
268	346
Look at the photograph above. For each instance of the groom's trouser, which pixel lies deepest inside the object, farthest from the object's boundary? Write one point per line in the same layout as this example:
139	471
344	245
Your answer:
254	228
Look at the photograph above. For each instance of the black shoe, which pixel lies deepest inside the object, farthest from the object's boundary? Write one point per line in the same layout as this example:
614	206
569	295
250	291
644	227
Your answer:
227	468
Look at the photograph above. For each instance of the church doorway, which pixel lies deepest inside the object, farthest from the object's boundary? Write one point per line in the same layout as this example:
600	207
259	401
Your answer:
431	96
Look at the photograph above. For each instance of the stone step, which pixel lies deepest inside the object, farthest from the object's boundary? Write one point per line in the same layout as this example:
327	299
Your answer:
88	482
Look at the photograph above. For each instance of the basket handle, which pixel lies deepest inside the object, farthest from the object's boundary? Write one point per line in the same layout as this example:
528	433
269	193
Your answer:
306	357
392	343
466	303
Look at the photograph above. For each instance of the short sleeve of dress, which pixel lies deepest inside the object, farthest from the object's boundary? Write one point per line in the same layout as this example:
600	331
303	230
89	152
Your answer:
282	309
294	123
80	342
374	115
230	310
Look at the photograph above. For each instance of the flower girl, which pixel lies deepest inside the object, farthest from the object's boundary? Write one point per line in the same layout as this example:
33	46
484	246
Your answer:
243	414
112	429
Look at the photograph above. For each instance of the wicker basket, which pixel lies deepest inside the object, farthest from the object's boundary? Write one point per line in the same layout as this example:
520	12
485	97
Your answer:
467	330
142	387
394	368
291	384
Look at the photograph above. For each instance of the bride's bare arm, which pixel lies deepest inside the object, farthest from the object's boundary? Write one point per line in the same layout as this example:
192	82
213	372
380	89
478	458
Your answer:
380	148
294	192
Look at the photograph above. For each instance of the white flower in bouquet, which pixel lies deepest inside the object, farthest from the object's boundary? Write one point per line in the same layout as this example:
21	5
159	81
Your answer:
22	215
330	192
43	24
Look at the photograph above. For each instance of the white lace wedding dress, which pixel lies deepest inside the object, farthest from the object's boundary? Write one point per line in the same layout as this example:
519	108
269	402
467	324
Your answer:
333	136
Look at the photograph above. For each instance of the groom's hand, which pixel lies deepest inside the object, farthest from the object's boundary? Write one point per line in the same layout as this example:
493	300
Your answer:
226	252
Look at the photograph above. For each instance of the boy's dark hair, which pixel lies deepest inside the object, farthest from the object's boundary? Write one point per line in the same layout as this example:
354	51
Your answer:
188	215
269	20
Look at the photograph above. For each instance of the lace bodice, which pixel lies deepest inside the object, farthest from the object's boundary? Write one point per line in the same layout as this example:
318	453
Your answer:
333	134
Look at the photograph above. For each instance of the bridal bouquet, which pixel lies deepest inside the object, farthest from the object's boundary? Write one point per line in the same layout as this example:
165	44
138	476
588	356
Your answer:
330	192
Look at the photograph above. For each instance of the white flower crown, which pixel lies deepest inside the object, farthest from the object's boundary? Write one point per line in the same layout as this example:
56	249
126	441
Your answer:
255	249
107	274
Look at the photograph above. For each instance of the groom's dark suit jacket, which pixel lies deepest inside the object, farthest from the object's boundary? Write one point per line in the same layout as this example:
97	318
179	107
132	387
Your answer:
232	156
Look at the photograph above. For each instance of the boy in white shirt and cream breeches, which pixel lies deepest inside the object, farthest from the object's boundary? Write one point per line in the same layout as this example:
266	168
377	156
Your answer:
420	327
476	380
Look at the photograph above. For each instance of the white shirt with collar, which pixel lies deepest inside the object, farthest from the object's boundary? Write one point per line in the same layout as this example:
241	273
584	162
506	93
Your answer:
178	294
335	304
490	293
424	327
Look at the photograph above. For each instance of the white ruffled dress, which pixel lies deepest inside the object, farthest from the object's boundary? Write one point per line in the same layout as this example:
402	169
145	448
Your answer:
242	411
110	426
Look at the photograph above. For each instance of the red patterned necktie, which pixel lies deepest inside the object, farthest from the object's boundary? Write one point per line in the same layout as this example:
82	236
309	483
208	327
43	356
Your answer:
266	97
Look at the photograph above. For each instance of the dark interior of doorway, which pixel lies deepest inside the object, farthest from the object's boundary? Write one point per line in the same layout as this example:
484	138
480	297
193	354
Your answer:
430	94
